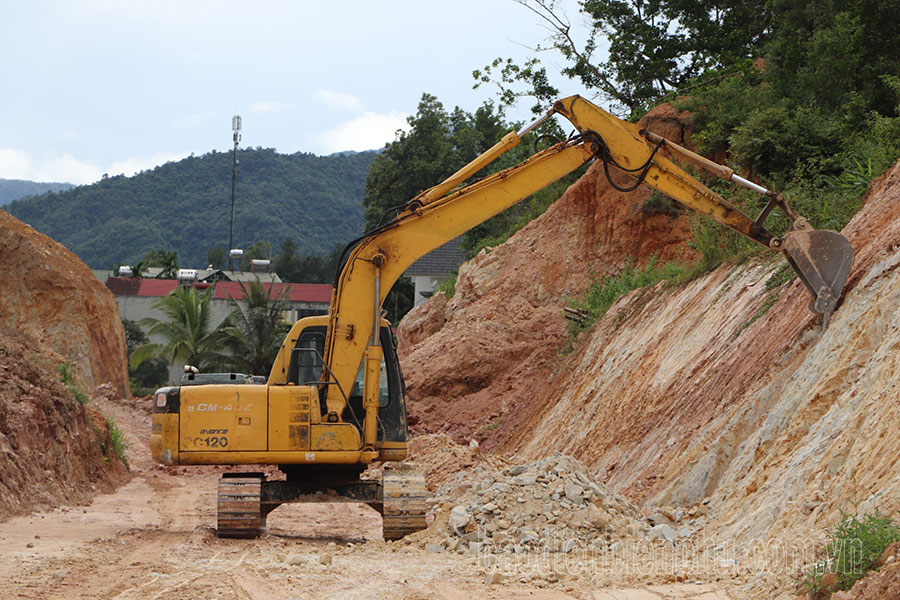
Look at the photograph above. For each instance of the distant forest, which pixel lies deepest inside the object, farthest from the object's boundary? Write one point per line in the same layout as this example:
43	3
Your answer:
185	207
13	189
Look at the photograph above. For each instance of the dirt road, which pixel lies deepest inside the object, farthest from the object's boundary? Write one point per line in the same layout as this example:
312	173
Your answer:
154	538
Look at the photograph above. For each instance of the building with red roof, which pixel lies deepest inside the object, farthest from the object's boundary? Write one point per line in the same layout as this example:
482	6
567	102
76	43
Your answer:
136	296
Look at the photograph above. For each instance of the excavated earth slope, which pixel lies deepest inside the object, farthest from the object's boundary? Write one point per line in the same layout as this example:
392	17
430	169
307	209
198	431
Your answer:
501	331
53	310
53	450
681	396
53	297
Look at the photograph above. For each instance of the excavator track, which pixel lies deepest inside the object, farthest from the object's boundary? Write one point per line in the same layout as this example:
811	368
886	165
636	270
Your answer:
404	504
239	511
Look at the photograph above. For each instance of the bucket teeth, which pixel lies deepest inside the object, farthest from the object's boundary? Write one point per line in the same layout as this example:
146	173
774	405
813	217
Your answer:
822	260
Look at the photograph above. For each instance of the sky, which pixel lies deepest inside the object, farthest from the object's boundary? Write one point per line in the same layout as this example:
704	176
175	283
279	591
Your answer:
93	87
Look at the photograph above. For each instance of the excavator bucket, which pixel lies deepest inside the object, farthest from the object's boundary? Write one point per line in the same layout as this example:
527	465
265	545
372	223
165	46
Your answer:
822	260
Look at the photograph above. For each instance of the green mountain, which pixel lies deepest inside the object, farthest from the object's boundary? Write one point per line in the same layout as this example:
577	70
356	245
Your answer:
13	189
186	206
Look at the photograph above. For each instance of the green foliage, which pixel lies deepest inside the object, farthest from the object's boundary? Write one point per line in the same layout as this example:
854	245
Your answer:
803	96
185	207
448	286
217	257
67	377
256	251
491	426
399	300
780	277
292	267
186	329
163	259
638	52
118	443
151	373
507	75
767	304
13	189
659	204
854	544
604	291
250	335
437	145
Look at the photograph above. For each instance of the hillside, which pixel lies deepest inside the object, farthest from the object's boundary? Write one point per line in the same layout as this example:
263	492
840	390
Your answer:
185	206
13	189
53	312
721	397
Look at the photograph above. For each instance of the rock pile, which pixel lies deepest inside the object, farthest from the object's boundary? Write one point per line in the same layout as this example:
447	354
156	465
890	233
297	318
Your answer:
549	505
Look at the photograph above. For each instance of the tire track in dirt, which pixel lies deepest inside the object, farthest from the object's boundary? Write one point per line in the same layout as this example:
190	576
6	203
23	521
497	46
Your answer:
154	538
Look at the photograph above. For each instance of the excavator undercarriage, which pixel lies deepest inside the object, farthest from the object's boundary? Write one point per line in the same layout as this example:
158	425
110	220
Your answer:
244	500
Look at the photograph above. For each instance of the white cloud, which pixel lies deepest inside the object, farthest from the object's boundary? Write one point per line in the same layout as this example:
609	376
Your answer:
366	132
339	100
14	164
196	120
20	164
265	106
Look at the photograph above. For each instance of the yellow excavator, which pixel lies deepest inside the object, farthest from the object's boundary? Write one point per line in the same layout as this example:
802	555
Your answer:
334	400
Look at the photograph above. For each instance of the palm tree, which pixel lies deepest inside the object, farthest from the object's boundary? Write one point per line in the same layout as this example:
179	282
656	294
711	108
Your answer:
168	263
186	329
253	332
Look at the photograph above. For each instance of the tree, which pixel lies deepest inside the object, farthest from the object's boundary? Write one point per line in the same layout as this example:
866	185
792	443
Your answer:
253	332
256	251
217	257
186	329
437	145
292	267
165	260
652	48
150	373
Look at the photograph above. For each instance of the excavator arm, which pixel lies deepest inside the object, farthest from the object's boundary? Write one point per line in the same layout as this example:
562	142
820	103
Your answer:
375	261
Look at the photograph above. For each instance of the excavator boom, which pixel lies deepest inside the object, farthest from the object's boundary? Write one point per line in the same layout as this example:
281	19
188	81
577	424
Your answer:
334	400
821	259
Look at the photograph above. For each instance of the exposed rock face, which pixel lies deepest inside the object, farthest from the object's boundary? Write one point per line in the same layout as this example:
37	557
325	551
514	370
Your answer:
500	333
53	297
681	395
421	322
